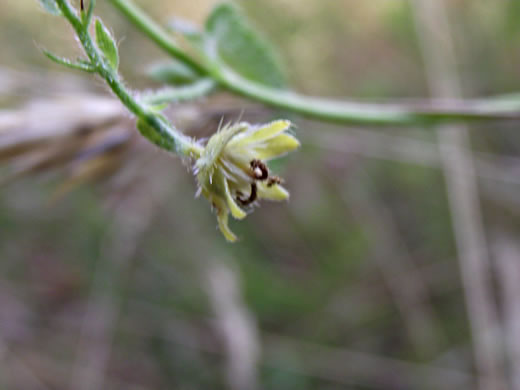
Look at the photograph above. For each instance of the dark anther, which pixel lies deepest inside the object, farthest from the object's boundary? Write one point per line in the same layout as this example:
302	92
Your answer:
274	180
251	199
259	169
82	6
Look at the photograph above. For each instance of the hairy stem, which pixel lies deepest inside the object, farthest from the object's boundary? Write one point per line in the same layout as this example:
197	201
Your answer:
425	112
166	136
193	91
157	33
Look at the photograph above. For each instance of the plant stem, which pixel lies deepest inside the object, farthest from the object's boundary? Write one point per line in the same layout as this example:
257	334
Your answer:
385	114
157	33
166	137
348	112
192	91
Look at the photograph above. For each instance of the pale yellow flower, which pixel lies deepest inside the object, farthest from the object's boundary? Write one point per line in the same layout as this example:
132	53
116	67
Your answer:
232	172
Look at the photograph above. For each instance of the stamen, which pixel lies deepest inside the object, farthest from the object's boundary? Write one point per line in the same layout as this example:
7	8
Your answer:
260	170
271	181
251	199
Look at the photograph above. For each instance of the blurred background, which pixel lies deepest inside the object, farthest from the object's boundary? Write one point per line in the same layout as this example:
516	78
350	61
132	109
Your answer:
376	275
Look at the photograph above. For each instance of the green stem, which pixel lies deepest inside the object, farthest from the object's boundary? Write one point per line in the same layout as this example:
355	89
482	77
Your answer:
167	137
157	33
192	91
424	112
348	112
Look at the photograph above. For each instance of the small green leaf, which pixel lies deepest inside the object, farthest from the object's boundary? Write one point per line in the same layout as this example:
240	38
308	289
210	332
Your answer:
80	65
107	45
86	17
148	131
153	135
173	72
241	47
158	108
50	6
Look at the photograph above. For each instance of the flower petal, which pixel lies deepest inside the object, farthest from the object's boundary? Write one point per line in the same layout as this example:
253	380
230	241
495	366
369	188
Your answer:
236	211
261	134
275	192
222	218
233	172
276	147
217	143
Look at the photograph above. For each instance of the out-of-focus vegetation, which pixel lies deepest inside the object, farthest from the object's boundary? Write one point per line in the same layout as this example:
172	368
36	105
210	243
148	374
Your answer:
352	284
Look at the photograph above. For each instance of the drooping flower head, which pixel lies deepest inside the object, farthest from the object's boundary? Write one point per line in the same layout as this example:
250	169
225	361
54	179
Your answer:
232	172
